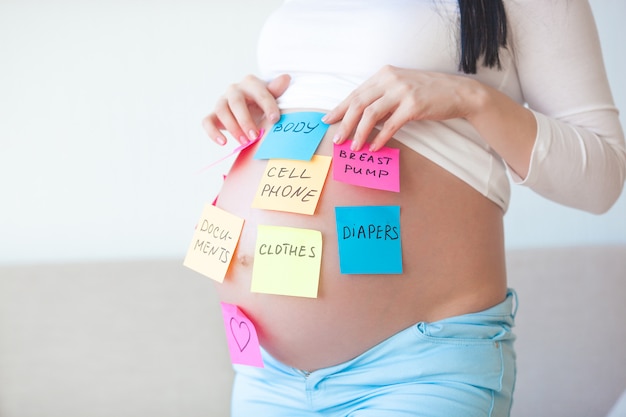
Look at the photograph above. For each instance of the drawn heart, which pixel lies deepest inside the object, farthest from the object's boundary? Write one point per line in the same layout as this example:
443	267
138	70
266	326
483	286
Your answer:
240	332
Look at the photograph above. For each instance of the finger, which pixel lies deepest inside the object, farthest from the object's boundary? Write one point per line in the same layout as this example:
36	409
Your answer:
230	123
350	119
388	130
263	95
239	109
356	103
338	112
348	105
367	89
359	105
213	127
255	93
278	85
276	88
372	115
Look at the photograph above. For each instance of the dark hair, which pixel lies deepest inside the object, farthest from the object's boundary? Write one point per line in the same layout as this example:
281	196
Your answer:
483	33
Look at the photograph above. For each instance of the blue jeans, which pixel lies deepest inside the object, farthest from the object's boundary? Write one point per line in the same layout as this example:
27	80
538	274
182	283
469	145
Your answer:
461	366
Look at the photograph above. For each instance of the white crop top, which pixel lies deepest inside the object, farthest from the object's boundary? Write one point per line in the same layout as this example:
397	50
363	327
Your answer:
553	64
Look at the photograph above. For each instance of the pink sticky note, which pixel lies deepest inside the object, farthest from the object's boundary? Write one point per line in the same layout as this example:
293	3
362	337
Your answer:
217	197
379	170
235	151
243	342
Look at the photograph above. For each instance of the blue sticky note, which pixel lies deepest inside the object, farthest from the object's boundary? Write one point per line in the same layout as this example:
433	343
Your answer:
369	239
294	136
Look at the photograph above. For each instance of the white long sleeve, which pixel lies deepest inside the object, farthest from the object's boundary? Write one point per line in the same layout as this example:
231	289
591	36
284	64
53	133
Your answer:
553	63
579	157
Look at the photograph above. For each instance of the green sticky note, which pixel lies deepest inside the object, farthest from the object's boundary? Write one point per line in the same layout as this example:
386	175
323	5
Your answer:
287	261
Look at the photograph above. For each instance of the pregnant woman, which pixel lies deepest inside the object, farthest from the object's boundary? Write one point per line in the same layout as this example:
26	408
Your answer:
470	92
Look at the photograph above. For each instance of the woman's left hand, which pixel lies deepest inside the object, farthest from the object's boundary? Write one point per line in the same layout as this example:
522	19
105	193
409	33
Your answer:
395	96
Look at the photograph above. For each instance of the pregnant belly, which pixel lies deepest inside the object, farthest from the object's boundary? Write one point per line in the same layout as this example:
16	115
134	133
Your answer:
452	262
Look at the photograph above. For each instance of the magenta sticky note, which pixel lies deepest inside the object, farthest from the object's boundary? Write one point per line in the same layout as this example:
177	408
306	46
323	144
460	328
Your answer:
235	151
379	170
243	342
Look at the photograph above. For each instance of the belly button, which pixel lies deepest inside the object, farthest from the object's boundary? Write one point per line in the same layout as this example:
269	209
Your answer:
243	259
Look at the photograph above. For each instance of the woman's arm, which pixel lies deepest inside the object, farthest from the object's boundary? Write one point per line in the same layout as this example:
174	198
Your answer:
395	96
569	148
579	157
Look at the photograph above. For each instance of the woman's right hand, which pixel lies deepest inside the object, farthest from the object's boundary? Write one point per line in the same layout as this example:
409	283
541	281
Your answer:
240	110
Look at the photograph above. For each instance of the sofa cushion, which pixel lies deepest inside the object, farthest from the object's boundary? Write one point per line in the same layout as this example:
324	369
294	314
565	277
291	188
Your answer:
571	337
146	338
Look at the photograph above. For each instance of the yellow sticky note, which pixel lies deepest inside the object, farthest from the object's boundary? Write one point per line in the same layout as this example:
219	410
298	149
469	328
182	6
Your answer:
214	242
292	185
287	261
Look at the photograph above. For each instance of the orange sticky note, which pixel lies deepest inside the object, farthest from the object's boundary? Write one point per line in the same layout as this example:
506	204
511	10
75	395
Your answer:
214	242
292	185
287	261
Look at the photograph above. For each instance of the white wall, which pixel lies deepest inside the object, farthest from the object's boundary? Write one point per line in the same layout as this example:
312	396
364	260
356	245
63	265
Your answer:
100	137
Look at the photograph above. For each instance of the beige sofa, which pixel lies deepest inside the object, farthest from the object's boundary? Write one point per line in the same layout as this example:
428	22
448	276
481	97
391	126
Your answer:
145	338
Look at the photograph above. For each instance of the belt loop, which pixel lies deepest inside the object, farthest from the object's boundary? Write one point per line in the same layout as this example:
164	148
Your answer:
515	302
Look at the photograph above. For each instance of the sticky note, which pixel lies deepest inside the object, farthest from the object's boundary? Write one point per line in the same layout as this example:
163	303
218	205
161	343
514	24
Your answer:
295	136
214	242
217	197
379	170
235	151
241	336
292	186
369	239
287	261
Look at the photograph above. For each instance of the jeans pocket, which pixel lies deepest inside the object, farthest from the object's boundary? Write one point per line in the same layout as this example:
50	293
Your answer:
475	349
463	333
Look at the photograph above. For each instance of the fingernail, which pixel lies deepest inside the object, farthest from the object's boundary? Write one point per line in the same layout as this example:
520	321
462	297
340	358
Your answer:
244	140
274	118
325	118
337	138
252	134
220	140
354	146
